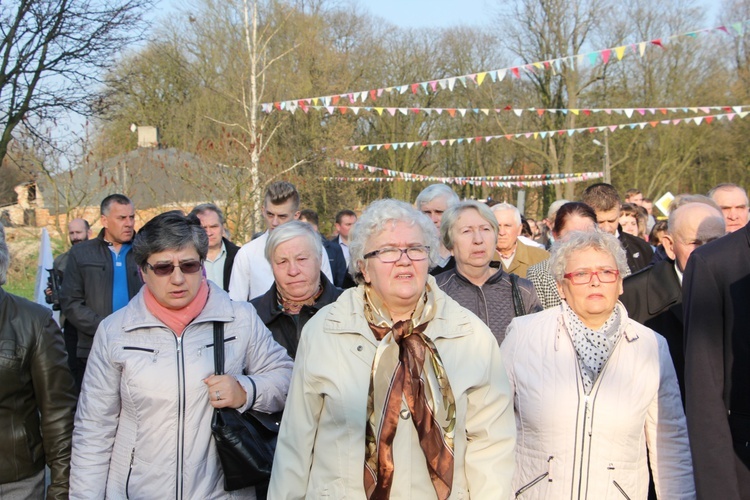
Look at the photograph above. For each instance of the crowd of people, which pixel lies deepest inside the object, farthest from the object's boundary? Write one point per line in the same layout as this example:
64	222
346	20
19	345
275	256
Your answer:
445	349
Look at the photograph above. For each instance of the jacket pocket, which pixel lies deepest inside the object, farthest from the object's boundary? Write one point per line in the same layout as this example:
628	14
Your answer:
619	488
147	350
619	491
526	487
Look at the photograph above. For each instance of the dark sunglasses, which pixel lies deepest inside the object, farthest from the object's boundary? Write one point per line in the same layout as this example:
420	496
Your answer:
166	269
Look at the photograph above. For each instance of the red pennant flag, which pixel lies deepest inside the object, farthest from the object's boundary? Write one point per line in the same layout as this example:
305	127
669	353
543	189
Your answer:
451	111
507	108
414	87
587	112
540	112
342	110
605	55
277	105
653	124
425	143
415	111
516	72
335	99
387	146
657	42
663	111
709	119
373	94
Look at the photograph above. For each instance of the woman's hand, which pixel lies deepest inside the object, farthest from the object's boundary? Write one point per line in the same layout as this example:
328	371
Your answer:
224	391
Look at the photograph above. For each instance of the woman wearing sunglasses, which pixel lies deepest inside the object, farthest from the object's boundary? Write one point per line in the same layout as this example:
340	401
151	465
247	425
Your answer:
143	425
594	390
398	392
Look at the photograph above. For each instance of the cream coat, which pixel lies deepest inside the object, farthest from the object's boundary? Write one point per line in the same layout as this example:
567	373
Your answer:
320	453
594	447
143	426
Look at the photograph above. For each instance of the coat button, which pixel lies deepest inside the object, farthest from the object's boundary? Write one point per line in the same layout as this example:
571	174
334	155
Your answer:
359	348
405	414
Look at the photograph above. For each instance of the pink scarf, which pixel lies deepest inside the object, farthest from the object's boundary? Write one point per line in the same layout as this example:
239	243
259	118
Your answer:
177	319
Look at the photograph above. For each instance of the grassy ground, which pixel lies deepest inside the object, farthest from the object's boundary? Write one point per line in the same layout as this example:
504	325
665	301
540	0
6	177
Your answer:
24	243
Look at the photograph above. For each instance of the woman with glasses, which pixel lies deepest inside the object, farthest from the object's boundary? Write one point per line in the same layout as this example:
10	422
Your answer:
469	230
143	425
594	391
397	391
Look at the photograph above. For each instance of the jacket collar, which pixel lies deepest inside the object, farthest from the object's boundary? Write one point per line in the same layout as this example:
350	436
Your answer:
347	315
218	308
267	306
663	288
495	278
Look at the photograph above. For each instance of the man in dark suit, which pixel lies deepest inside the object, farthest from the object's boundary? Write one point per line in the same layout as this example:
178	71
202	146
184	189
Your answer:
653	297
716	291
335	254
605	201
221	251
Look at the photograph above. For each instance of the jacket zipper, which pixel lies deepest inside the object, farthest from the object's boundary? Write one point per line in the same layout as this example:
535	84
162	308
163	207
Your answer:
155	352
180	416
620	489
130	471
207	346
523	489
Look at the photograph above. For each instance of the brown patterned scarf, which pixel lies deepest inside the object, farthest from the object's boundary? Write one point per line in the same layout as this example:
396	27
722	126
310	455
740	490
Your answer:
407	369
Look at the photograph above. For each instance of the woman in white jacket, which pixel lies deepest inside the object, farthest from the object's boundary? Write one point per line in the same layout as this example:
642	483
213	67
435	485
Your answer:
594	390
143	425
397	392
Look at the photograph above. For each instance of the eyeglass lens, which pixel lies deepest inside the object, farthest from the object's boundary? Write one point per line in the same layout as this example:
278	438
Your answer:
166	269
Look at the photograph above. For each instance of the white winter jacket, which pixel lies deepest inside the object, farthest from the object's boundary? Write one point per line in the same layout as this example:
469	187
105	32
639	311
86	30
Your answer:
321	448
571	445
143	425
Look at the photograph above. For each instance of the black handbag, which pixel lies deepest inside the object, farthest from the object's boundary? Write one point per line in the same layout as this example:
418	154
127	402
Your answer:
518	306
246	441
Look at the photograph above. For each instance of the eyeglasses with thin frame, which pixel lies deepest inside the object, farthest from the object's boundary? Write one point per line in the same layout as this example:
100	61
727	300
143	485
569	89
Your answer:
585	277
167	268
389	255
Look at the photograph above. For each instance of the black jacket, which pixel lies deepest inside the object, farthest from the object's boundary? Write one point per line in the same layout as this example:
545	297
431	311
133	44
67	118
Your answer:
37	395
232	250
639	252
338	262
284	327
716	298
653	297
87	288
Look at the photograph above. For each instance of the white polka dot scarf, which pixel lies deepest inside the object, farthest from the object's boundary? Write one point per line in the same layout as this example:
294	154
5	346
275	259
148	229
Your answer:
593	347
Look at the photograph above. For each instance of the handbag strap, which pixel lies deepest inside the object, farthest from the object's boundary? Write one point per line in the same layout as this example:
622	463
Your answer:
218	348
518	306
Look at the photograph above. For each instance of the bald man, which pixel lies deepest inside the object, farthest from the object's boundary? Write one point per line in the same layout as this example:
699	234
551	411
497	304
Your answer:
653	297
732	199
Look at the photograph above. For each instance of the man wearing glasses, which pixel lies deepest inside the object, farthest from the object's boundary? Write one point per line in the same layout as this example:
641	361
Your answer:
101	275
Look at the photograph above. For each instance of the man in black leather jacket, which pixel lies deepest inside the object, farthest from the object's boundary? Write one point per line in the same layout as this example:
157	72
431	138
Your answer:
101	275
37	399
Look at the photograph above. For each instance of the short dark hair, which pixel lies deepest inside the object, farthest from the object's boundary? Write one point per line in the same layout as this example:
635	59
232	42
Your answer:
601	197
632	192
208	207
281	191
570	209
166	231
120	199
310	216
344	213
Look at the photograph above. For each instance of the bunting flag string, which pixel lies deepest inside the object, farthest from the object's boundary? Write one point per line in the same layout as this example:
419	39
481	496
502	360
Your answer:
476	181
420	177
697	120
602	56
462	112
